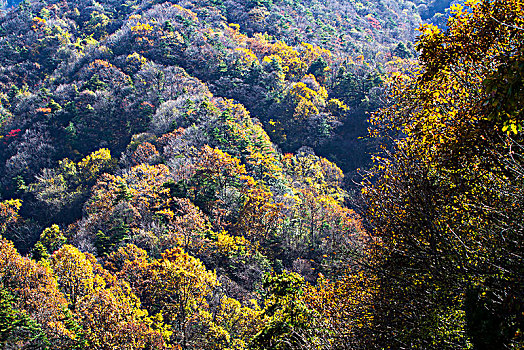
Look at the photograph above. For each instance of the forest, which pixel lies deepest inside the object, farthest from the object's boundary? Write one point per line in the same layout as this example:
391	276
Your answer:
261	174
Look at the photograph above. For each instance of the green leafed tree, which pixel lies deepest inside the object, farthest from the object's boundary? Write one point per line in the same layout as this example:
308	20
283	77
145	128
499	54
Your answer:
17	329
290	323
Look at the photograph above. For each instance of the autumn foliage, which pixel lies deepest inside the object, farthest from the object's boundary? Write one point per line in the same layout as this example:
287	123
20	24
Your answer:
184	176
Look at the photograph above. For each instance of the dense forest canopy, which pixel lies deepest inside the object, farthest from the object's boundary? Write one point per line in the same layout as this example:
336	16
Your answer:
347	47
184	174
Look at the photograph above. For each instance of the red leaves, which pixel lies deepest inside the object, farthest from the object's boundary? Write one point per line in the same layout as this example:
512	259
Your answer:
11	135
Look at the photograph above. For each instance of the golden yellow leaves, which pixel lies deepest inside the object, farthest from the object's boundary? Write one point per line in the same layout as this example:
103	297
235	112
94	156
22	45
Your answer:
100	64
141	28
9	213
308	98
448	175
230	245
38	23
35	288
344	304
305	109
429	30
106	308
177	286
511	126
95	164
337	107
247	57
234	324
75	274
264	164
135	59
187	13
320	175
311	52
292	65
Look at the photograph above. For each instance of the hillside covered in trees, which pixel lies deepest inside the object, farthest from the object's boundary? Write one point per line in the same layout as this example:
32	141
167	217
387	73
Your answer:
184	175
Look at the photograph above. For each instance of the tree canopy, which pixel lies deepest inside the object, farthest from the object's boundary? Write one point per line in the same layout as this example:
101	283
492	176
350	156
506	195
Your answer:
445	197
